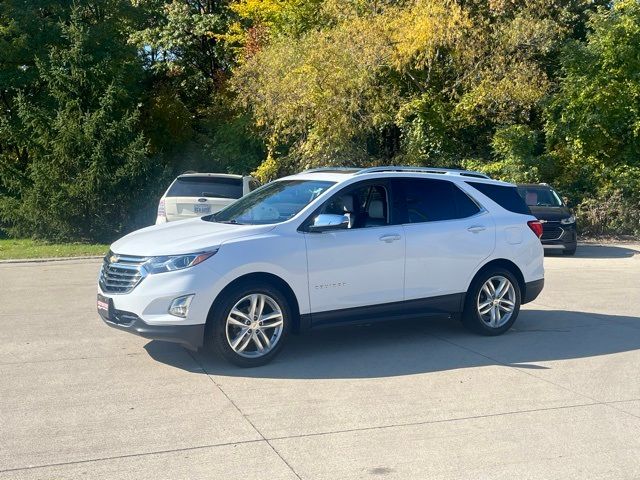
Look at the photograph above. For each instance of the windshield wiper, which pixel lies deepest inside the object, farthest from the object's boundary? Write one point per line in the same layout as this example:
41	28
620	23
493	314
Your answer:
232	222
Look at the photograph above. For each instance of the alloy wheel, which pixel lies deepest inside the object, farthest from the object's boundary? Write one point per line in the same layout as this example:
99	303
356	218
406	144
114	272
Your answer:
254	325
496	301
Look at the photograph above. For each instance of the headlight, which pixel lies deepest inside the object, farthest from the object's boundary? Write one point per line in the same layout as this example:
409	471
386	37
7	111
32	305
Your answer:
170	263
568	221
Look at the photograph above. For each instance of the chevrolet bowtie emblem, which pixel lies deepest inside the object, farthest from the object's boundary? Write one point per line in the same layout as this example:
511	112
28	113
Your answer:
114	258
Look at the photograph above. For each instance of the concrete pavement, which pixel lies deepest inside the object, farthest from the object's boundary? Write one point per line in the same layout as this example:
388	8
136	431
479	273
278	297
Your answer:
556	397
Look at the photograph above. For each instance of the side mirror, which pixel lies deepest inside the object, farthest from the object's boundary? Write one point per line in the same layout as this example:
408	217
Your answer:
325	222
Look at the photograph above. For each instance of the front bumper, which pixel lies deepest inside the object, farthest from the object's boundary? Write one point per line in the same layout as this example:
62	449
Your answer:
190	336
556	236
144	310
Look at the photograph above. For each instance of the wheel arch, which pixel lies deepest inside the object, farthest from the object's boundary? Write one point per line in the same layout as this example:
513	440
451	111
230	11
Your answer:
271	278
507	265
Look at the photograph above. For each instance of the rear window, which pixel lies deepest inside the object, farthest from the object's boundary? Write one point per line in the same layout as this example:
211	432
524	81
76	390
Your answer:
505	196
216	187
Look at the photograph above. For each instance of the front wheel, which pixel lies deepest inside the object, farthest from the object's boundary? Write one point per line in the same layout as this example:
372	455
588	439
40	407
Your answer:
251	325
492	303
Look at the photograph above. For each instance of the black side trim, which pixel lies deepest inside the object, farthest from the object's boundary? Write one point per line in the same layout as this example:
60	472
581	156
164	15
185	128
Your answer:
441	305
305	323
532	290
189	336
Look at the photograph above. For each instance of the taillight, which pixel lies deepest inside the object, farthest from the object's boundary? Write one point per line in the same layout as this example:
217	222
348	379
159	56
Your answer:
536	226
161	210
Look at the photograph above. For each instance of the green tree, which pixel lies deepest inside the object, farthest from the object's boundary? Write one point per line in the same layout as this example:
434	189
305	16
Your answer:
189	116
516	150
86	168
593	121
27	31
596	111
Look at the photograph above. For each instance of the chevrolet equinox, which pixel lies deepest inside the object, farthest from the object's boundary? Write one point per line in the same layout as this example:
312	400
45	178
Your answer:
330	246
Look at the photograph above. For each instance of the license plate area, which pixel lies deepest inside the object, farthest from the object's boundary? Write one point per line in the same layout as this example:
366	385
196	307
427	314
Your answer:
105	307
202	209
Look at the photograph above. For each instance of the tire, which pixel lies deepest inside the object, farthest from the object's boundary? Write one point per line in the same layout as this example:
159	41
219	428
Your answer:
227	327
493	321
570	251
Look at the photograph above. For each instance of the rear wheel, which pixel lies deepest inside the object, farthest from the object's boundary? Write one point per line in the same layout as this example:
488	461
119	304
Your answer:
492	303
251	324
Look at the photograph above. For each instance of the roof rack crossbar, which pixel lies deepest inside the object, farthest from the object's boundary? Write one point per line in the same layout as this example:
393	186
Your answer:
443	171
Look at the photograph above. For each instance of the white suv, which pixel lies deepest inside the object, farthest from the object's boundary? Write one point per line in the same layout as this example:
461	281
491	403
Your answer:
197	194
328	247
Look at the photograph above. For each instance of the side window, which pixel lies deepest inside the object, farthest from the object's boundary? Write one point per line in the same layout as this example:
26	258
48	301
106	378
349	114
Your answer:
426	200
465	207
367	206
505	196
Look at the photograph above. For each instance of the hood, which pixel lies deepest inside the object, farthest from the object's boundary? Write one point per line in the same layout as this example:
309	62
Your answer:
552	214
186	236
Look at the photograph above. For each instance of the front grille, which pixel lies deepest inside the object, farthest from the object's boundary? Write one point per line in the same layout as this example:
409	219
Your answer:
551	231
121	273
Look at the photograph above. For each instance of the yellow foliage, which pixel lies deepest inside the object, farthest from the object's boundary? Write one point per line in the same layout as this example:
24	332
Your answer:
324	93
267	170
260	11
419	31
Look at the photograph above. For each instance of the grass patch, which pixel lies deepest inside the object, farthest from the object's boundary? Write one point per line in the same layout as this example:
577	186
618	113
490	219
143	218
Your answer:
26	248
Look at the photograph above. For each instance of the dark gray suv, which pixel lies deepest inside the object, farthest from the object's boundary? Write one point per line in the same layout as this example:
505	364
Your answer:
558	221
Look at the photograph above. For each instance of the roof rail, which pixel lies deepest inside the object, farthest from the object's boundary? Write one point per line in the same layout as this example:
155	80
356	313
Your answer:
443	171
332	169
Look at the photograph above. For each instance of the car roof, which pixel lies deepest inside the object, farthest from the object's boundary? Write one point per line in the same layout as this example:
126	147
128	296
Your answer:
341	174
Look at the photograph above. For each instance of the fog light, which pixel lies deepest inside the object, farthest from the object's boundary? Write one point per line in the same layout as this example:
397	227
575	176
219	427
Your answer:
180	306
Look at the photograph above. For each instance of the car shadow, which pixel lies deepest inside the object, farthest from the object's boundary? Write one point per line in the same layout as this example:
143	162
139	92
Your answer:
421	346
596	251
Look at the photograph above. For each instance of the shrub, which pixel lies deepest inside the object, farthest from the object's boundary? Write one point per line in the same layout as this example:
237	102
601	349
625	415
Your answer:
609	214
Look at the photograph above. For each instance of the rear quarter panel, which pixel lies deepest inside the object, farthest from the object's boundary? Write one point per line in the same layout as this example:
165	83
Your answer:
516	242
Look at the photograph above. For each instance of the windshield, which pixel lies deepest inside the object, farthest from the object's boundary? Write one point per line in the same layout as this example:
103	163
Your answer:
273	203
540	197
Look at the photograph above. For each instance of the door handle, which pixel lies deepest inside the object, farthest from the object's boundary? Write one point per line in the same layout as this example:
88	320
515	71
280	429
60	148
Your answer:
390	238
476	228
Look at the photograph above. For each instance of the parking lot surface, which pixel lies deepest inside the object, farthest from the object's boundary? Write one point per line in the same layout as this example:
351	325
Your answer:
556	397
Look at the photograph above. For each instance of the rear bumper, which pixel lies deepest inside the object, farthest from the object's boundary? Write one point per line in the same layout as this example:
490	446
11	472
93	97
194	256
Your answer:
189	336
532	290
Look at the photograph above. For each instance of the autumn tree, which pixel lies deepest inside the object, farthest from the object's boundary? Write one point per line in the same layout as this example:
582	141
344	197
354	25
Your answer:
418	82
